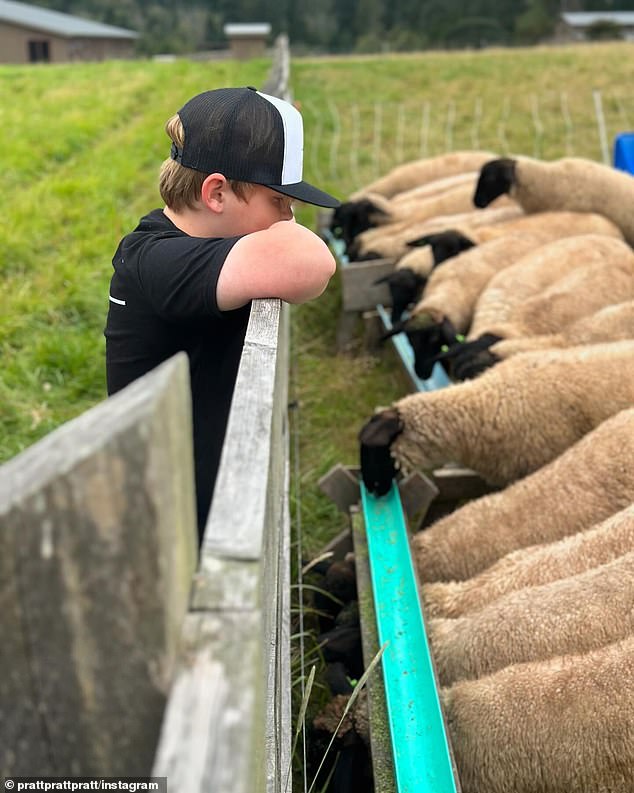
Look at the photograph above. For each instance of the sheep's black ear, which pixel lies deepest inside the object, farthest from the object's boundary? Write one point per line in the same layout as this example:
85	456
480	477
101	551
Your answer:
496	177
397	327
426	343
420	242
471	358
448	331
371	211
444	244
473	365
376	437
368	256
337	678
405	287
353	217
449	244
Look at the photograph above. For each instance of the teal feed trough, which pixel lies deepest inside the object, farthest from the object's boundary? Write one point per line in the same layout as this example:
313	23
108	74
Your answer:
422	756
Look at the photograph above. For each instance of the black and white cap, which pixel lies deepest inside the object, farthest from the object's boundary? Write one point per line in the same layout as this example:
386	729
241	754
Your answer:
248	136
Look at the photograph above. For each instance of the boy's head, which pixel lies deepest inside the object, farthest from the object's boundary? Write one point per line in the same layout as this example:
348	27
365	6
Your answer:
249	137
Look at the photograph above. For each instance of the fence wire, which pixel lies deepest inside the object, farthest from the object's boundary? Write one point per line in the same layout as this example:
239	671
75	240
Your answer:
357	144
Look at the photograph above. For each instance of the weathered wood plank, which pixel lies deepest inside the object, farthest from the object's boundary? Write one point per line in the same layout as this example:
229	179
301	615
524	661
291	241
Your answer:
251	447
341	486
359	290
98	537
209	740
245	558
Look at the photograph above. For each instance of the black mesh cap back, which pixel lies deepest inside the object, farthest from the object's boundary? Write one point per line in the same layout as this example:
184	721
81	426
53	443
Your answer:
235	132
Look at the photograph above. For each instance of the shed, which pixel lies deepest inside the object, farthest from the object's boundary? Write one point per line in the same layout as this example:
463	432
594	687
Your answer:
575	25
247	40
30	34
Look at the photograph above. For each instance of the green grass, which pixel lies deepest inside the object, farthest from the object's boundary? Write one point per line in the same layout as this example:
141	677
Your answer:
86	142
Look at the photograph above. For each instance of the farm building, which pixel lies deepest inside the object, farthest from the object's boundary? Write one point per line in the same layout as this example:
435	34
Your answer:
247	40
583	25
31	34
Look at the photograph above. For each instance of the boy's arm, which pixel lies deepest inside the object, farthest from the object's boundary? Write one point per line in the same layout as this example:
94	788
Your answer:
286	260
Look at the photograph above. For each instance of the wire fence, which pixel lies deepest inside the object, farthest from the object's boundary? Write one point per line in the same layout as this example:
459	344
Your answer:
354	144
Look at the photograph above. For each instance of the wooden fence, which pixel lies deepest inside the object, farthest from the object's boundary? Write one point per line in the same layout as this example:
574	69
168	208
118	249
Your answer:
120	655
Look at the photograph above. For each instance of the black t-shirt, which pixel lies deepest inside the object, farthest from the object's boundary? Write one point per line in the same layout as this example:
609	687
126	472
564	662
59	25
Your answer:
162	301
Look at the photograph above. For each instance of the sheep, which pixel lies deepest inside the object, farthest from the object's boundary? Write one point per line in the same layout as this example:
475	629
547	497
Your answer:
585	485
440	244
612	323
364	209
415	209
575	614
508	422
554	726
571	183
391	241
453	291
543	293
537	564
350	219
418	172
437	186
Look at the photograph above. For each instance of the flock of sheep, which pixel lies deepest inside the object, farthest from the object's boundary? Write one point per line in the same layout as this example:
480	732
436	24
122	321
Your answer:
517	275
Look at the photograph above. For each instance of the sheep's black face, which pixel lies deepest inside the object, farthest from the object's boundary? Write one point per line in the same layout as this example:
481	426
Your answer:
466	361
376	437
352	217
444	245
405	288
427	344
368	256
496	177
470	367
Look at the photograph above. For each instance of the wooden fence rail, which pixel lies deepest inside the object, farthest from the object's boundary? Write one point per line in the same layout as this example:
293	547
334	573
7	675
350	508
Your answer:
120	657
98	548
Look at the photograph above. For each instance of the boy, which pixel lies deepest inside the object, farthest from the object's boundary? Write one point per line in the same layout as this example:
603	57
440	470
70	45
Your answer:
184	278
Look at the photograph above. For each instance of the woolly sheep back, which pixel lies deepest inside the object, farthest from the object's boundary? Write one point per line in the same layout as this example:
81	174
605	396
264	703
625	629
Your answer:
575	184
586	484
555	284
390	241
611	323
428	169
518	415
568	615
453	289
554	726
453	294
534	565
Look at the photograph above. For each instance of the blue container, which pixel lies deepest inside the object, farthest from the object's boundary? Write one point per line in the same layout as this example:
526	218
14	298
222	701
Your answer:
624	152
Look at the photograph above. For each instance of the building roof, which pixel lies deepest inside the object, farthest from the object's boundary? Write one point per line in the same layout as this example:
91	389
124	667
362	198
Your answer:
583	19
247	29
54	22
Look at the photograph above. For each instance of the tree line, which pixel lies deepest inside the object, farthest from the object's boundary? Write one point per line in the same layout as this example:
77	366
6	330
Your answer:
341	26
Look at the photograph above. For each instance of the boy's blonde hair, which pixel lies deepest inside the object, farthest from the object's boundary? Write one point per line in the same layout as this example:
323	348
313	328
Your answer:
180	186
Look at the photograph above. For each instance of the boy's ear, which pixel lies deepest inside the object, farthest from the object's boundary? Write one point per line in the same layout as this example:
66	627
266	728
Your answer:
213	190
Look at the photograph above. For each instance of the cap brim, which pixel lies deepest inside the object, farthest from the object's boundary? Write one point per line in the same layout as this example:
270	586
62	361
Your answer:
303	191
